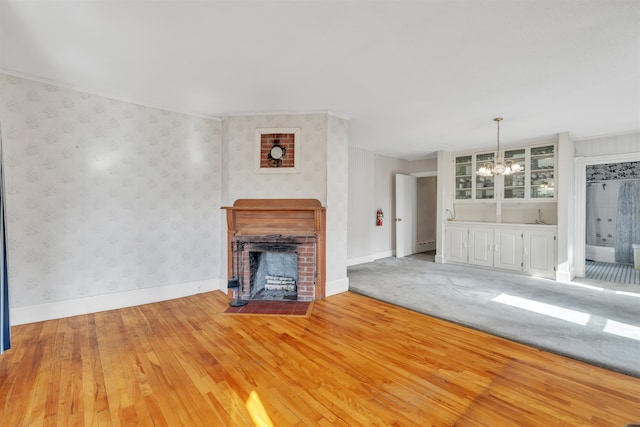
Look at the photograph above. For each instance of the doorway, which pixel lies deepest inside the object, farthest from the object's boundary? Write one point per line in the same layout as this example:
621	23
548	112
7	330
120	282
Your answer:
604	230
427	227
416	214
612	217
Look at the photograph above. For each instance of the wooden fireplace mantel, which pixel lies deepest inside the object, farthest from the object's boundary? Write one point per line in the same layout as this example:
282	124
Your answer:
284	217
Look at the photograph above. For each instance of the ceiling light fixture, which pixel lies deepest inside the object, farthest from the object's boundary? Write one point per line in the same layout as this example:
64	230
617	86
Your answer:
498	168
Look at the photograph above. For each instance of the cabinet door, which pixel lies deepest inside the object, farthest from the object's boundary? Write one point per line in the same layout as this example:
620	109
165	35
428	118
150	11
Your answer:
508	249
481	246
514	184
457	242
539	253
485	185
542	172
463	177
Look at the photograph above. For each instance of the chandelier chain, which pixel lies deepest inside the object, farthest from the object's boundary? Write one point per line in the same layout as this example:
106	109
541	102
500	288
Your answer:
497	167
498	120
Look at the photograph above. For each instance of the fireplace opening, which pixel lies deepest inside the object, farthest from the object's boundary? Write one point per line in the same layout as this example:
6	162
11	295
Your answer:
273	275
277	268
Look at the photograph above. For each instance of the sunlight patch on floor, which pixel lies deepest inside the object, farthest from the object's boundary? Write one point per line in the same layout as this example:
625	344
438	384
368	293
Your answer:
257	411
582	285
629	294
622	329
561	313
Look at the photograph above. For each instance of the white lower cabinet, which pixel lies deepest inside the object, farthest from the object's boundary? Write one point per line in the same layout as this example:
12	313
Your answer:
457	243
527	250
481	246
509	247
540	253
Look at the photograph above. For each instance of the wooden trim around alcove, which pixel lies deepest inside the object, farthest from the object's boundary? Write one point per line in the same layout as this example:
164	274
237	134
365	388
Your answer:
285	217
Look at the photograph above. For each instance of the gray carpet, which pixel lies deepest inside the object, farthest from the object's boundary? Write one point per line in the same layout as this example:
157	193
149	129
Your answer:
585	321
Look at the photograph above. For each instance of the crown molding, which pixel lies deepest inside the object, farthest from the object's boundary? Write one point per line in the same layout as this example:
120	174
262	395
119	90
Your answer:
164	107
606	135
102	95
284	113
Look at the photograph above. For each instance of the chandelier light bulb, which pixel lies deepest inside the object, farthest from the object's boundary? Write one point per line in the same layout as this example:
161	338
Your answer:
499	168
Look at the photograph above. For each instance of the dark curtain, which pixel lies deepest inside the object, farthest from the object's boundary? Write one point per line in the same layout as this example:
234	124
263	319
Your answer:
5	328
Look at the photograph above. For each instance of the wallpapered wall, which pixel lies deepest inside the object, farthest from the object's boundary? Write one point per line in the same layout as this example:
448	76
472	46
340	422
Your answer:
337	200
624	170
241	182
105	196
319	177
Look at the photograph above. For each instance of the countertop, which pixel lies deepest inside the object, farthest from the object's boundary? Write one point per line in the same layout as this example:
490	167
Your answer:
503	224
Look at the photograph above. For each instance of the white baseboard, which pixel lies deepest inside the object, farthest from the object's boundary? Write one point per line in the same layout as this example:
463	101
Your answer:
360	260
369	258
94	304
565	276
337	286
385	254
428	245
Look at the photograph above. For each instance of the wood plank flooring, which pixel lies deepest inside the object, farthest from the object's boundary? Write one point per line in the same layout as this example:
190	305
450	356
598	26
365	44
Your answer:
354	361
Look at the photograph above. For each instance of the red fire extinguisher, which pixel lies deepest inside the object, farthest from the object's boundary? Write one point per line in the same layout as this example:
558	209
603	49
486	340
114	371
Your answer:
379	216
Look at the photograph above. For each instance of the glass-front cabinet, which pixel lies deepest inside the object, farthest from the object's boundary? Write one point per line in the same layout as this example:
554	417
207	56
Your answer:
534	181
464	175
542	176
485	185
514	184
469	186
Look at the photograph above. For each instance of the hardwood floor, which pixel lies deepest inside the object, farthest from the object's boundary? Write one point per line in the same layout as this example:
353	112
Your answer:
354	361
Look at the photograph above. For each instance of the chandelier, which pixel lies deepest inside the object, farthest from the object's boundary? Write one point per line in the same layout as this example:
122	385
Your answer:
499	167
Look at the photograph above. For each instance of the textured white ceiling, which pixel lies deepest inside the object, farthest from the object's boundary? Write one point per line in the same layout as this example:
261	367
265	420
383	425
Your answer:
413	77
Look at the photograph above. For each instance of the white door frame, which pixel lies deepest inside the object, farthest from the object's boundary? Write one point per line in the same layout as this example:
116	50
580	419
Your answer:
580	207
424	174
405	222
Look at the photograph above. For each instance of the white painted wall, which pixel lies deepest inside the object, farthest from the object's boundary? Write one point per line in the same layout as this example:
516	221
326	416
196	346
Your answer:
566	208
362	208
372	186
424	165
366	243
607	145
445	200
386	169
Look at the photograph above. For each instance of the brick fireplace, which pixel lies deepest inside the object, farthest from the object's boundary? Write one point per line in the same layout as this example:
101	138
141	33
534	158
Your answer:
276	248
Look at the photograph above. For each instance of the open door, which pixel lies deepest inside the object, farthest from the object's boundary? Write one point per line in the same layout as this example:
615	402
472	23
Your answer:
406	215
